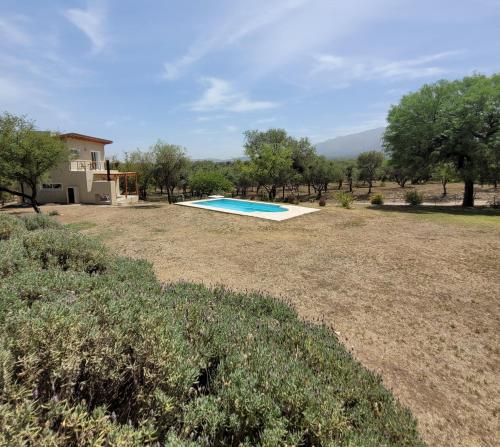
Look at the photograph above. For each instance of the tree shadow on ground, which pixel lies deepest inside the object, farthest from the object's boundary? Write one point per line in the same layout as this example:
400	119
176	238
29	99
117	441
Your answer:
431	209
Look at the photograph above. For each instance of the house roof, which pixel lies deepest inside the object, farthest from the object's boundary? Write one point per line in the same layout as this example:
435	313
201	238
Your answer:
79	136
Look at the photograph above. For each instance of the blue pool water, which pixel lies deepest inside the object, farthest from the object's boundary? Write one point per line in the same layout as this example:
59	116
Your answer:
241	205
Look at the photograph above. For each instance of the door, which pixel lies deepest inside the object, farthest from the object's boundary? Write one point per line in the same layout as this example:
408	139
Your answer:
71	195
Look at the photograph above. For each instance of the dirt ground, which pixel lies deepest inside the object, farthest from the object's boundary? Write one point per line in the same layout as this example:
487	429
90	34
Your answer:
414	295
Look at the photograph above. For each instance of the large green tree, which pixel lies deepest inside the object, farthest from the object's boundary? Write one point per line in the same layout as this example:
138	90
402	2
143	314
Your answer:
171	164
369	164
26	157
271	156
454	122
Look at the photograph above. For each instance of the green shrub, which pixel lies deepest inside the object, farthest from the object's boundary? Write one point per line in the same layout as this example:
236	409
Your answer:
377	199
37	221
10	226
119	359
346	199
414	198
54	213
65	250
12	256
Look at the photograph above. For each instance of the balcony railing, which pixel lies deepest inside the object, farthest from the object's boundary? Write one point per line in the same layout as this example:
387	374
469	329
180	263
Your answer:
87	165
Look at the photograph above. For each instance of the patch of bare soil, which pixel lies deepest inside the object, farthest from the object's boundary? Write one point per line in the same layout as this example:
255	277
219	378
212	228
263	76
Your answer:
415	299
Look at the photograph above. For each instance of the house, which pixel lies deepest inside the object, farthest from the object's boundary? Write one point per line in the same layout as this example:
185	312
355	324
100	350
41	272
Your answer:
88	177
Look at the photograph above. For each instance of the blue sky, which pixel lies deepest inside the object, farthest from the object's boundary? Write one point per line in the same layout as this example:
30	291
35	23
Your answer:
199	72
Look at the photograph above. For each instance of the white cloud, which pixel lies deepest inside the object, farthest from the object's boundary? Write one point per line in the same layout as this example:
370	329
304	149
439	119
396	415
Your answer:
221	95
237	25
91	22
350	68
11	32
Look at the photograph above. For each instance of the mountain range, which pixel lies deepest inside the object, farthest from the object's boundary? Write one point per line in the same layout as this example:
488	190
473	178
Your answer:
350	146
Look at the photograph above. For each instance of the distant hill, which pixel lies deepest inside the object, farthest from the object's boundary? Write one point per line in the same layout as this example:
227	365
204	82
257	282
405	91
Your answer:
350	146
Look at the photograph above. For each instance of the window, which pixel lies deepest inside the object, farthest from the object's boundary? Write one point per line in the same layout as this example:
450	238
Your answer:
51	186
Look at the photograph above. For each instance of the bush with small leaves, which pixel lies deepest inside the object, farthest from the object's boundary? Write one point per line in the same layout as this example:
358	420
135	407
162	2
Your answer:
346	199
65	250
322	201
377	199
37	221
10	226
414	198
54	213
120	359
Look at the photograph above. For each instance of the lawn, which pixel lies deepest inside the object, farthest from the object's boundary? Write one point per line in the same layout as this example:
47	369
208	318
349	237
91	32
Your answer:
412	294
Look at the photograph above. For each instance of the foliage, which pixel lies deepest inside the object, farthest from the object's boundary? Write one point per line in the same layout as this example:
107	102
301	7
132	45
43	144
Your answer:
144	164
377	199
116	359
322	201
170	164
26	156
414	198
271	154
444	172
54	213
351	172
346	199
369	164
209	182
320	174
454	122
9	226
37	221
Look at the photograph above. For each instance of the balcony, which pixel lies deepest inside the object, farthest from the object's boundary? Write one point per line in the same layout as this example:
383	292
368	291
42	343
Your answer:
88	165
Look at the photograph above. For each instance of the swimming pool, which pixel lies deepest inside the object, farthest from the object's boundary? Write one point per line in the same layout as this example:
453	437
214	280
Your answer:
250	208
242	205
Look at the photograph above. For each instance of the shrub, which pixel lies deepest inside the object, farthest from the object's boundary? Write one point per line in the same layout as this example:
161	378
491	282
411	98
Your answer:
54	213
345	199
377	199
322	201
118	359
10	226
37	221
65	250
414	197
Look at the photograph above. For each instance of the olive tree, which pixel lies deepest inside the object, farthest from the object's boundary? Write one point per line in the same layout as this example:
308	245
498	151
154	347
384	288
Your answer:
369	164
26	157
170	163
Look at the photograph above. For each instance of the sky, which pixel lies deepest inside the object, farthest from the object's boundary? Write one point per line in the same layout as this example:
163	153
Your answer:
198	73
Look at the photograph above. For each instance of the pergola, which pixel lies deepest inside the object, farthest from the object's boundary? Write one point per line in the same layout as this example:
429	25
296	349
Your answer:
127	175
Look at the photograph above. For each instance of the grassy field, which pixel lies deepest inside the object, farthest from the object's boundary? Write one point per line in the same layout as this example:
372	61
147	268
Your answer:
412	293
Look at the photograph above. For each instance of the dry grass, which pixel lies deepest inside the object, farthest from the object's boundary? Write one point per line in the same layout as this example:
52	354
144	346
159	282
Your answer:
414	295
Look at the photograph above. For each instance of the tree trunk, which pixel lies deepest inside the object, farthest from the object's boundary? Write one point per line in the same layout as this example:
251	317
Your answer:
283	194
350	185
340	184
369	187
308	189
169	197
444	188
468	193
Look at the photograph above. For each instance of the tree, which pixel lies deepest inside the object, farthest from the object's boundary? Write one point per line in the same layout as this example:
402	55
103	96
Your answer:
209	182
336	173
243	176
27	156
270	153
320	175
144	164
170	165
369	164
456	122
445	172
351	172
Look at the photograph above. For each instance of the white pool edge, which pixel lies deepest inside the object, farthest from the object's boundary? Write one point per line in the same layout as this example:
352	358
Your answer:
291	210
